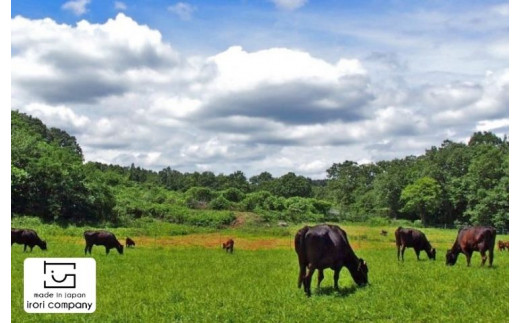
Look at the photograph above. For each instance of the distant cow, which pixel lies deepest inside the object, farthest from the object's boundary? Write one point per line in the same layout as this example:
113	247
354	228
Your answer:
471	239
129	242
27	237
326	246
384	232
502	245
103	238
412	238
228	245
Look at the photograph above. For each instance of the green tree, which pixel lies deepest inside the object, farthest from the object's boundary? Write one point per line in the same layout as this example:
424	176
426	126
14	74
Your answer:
422	197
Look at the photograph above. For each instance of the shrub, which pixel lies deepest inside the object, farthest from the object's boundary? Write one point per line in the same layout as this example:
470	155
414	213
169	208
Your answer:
199	197
233	194
220	203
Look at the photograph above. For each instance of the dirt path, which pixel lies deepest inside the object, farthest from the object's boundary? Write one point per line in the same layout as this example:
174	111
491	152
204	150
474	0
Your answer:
215	240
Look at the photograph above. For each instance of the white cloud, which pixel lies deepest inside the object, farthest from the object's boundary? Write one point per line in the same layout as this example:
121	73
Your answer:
78	7
119	5
289	4
59	116
183	10
129	96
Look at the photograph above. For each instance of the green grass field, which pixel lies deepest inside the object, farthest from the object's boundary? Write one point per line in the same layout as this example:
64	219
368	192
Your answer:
166	280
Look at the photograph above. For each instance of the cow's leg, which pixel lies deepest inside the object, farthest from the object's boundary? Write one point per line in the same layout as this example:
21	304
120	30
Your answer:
468	257
301	276
31	247
483	256
107	250
86	249
398	251
24	247
402	252
336	278
417	252
308	278
320	276
491	252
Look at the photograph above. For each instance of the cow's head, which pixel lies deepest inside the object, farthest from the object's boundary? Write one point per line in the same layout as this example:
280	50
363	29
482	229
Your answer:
360	276
120	249
451	258
43	245
431	253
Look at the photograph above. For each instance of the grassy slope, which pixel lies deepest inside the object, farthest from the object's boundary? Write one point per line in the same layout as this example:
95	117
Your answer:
174	282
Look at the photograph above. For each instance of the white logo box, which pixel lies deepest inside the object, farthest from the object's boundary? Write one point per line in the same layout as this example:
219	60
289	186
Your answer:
60	285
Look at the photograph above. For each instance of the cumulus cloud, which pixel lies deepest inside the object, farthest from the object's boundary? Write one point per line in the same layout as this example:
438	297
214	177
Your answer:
78	7
130	97
183	10
289	4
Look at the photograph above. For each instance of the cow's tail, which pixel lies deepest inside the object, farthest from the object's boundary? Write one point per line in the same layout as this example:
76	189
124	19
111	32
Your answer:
299	246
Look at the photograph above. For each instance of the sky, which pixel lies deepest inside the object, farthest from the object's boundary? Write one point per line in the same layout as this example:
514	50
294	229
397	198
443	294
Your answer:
266	85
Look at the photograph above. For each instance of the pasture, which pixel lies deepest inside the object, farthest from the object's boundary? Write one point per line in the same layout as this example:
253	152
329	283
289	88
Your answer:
189	278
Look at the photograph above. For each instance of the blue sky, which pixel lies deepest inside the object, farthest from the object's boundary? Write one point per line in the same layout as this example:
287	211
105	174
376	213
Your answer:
276	85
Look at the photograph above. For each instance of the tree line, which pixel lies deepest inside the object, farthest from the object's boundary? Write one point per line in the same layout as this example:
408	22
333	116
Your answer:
455	183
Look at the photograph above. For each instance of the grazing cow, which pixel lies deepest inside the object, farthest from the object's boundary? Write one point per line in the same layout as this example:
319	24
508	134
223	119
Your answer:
384	232
27	237
415	239
103	238
129	242
502	245
326	246
471	239
228	245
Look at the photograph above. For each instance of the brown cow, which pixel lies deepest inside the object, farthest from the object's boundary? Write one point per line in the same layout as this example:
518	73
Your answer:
103	238
384	232
502	245
415	239
228	245
326	246
471	239
129	242
27	237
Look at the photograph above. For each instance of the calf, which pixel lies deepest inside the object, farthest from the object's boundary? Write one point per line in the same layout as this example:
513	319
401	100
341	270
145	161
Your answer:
471	239
228	245
415	239
502	245
384	232
129	242
27	237
103	238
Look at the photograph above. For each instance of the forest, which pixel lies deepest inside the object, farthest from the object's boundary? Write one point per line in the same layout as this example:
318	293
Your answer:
451	185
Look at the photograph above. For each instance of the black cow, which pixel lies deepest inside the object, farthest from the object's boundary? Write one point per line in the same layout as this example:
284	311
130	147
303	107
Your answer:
103	238
415	239
27	237
471	239
326	246
130	242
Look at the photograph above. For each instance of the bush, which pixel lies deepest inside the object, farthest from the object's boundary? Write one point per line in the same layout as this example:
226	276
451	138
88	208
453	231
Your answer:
253	200
233	195
220	203
199	197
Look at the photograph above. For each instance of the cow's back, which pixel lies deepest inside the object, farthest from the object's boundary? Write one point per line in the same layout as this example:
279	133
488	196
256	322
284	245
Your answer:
476	238
325	246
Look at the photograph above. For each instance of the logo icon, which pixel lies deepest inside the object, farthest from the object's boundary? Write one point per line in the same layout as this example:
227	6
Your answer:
58	275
